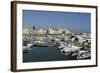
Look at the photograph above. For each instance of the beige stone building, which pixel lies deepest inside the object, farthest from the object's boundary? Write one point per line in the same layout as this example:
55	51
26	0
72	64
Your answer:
34	32
58	31
44	31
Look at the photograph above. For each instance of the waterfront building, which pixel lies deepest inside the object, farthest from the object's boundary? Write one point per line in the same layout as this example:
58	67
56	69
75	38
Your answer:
58	31
28	31
50	31
39	32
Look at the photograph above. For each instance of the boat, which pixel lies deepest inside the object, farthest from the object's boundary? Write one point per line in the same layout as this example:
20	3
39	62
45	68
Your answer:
67	49
40	44
28	46
83	54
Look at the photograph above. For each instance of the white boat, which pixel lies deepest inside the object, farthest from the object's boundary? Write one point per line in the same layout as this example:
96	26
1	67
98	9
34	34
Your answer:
67	49
40	42
28	47
82	54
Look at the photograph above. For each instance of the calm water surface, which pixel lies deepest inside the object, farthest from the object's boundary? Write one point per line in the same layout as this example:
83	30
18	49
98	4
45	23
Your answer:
37	54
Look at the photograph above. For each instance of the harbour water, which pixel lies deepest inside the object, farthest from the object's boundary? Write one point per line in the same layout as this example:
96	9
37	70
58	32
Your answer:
37	54
44	48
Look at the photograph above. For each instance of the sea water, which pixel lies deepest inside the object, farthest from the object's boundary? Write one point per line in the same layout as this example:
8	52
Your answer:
37	54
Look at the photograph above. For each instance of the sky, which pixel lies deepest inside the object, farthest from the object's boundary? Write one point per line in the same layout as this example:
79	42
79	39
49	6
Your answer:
74	21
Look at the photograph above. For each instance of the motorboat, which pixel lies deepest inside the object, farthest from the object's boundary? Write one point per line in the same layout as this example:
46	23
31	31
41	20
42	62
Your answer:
67	49
83	54
28	46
